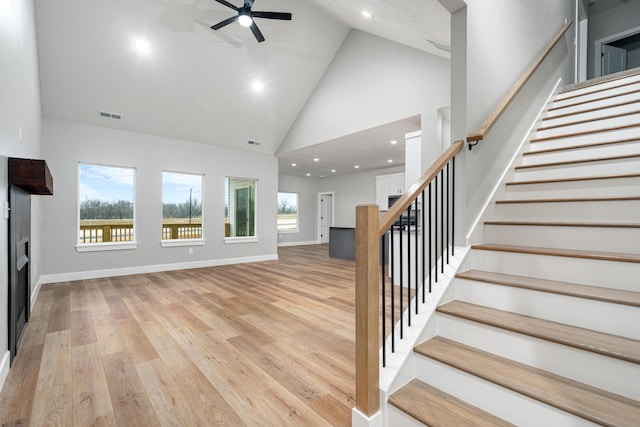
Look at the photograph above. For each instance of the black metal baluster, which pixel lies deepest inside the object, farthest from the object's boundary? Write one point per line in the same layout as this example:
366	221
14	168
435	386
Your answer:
401	265
448	214
422	238
442	219
416	255
392	262
453	205
408	265
384	302
430	246
435	238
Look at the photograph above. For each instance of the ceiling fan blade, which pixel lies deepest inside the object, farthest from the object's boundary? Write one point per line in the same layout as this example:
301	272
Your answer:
272	15
226	3
224	23
256	32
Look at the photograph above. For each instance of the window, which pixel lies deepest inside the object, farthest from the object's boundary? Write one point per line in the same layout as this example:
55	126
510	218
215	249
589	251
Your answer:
181	206
106	205
240	208
287	212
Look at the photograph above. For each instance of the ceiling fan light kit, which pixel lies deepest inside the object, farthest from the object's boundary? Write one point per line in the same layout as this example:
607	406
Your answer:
245	16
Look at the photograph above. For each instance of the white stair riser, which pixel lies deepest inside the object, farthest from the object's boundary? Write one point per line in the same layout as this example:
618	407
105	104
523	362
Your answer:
596	95
590	115
613	187
628	165
596	151
616	319
396	417
607	373
601	239
590	138
613	211
608	274
588	126
506	404
611	84
571	108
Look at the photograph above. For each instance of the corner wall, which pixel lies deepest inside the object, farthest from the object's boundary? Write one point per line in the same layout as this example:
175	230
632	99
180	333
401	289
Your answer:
19	109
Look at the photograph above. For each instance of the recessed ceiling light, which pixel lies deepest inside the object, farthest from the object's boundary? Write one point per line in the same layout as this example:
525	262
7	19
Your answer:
390	161
394	142
258	86
321	176
357	166
333	171
366	14
294	165
316	159
142	46
308	174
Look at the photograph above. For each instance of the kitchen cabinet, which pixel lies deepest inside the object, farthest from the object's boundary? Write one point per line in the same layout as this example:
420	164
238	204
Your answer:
388	185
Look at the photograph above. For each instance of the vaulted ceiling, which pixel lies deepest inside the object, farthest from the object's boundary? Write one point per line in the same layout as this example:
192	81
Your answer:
197	84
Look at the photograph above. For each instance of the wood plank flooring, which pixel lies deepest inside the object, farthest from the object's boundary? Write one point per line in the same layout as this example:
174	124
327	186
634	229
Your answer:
261	344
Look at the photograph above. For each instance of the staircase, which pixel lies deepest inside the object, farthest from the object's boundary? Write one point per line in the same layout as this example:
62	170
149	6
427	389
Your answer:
544	326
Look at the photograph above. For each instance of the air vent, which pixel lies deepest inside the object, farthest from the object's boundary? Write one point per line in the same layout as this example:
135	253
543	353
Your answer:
253	143
108	115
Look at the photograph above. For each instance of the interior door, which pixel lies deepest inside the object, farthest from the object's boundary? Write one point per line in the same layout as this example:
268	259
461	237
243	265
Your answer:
326	216
614	59
19	270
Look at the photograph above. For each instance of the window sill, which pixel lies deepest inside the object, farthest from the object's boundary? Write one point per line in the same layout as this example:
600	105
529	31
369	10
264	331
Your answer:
182	242
96	247
233	240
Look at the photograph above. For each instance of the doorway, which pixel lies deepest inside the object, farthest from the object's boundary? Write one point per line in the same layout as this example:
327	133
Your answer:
618	52
19	265
325	215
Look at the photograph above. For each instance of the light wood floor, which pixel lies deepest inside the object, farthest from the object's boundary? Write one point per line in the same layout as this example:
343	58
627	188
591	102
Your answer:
263	344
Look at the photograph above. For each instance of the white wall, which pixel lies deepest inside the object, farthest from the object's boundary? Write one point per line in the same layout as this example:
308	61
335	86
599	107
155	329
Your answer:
307	190
66	144
19	108
372	81
502	37
612	21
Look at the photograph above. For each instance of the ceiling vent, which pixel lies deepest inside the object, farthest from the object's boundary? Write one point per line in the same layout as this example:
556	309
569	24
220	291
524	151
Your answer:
108	115
253	143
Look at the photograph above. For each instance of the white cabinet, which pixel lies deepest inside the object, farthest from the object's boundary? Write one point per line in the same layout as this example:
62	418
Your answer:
388	185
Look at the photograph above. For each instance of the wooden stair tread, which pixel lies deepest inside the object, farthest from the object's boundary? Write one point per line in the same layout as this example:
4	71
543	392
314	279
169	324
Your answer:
582	400
581	146
571	253
564	224
586	132
571	200
595	119
616	296
435	408
590	110
572	179
602	79
584	339
602	98
578	161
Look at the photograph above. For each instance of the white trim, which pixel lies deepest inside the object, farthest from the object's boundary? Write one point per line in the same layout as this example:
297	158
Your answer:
36	291
597	66
358	419
5	366
234	240
319	210
311	242
182	242
96	247
98	274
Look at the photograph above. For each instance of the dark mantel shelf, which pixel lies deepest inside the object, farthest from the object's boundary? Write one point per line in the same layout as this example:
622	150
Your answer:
33	176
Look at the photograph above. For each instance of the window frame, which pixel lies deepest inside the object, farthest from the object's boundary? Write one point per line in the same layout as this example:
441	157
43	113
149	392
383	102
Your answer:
168	243
227	203
108	246
291	230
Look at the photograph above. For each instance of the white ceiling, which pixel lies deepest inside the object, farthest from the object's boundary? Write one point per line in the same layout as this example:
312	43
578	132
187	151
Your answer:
195	84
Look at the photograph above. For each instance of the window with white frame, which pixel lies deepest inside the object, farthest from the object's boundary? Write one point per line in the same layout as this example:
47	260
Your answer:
287	212
106	208
181	206
240	207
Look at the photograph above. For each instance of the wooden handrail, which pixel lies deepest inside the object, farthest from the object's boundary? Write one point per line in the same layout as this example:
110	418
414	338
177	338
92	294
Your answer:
502	105
402	204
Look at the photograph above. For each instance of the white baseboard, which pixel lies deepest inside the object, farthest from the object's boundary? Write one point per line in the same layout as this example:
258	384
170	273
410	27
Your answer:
311	242
98	274
5	365
36	291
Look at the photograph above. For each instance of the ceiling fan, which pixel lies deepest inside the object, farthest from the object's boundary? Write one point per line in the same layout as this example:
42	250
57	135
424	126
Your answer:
246	17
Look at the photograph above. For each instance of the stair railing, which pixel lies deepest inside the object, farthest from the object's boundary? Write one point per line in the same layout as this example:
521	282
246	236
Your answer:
416	232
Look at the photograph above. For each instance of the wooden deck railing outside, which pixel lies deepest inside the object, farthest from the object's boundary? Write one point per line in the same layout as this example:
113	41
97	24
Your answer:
104	233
